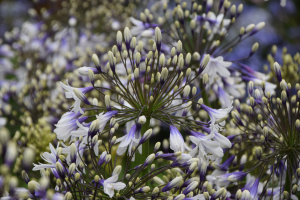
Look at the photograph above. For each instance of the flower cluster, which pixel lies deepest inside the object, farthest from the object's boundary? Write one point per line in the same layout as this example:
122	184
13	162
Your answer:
82	120
203	29
289	68
136	87
269	129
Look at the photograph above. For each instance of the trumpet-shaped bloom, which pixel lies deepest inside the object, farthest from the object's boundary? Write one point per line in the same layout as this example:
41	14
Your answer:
176	140
224	142
216	68
206	148
111	184
70	94
217	114
131	139
51	158
67	124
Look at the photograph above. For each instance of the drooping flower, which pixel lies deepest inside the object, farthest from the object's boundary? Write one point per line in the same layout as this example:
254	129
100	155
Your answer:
131	139
67	124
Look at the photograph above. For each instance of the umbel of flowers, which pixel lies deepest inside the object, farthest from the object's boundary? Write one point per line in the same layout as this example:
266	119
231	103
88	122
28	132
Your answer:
203	28
136	87
270	128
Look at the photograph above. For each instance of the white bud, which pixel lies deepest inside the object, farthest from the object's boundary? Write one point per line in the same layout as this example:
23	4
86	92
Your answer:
250	27
142	119
133	43
127	35
107	101
162	60
72	168
111	58
180	63
28	156
157	35
95	60
119	38
188	58
91	75
164	74
186	91
117	170
254	47
179	47
149	159
260	25
136	73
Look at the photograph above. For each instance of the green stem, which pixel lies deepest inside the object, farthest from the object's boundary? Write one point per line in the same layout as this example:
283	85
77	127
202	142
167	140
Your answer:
140	158
145	147
204	95
288	181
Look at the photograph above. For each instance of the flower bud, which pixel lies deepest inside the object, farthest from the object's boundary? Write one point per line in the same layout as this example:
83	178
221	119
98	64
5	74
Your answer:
119	40
95	60
28	157
179	47
142	119
294	189
127	36
157	146
68	196
277	71
238	194
254	48
77	176
133	43
158	38
149	159
81	96
72	168
258	152
25	177
250	27
205	79
174	183
179	197
32	187
91	76
146	136
107	102
162	60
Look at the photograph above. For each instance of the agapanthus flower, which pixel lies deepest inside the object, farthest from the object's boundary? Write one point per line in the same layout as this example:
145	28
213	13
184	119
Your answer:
51	158
111	184
149	89
272	125
203	29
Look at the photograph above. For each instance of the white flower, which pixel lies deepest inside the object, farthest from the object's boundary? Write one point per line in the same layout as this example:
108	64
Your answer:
111	184
104	118
70	94
67	124
206	148
216	68
51	158
131	139
214	23
215	115
140	28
